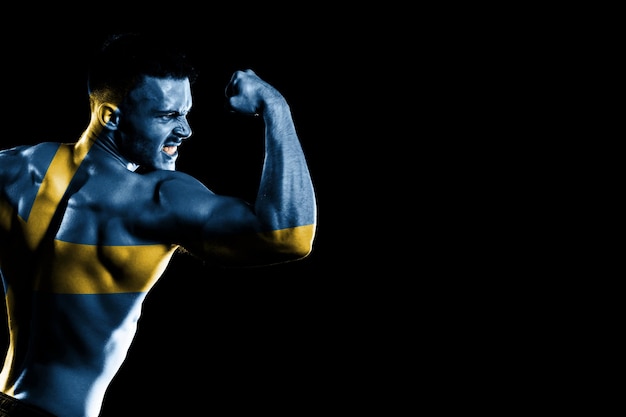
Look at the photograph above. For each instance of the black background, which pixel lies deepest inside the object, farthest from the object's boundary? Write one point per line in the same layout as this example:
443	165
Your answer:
413	122
273	339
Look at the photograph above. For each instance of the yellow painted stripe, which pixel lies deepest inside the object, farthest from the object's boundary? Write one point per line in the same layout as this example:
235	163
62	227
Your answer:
6	211
10	352
91	269
55	182
253	248
303	235
53	186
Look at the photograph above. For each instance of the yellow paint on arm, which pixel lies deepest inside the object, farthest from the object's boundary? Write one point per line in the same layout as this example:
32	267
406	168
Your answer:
263	248
297	239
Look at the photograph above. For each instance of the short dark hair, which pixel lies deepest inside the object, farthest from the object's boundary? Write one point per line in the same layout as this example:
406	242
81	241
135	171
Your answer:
125	58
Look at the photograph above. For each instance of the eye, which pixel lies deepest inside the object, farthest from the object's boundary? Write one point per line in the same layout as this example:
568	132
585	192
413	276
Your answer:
174	115
169	116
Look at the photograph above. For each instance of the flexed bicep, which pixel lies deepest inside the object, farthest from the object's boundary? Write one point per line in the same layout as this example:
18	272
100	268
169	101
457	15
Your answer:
185	212
231	234
227	231
236	236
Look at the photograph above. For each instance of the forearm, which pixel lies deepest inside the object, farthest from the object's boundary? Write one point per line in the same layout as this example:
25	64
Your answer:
284	214
286	198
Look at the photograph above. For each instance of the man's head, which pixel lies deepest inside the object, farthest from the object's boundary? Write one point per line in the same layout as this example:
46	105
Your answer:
140	90
123	59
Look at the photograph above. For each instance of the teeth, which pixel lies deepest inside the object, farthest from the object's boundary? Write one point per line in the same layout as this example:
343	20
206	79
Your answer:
170	150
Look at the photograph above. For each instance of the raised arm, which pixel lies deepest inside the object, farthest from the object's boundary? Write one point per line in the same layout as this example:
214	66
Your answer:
281	225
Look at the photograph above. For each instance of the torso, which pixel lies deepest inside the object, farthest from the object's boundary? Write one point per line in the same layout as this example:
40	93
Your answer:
87	282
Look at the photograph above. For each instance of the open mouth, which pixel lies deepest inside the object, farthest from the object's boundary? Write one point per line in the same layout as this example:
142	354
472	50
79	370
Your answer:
170	150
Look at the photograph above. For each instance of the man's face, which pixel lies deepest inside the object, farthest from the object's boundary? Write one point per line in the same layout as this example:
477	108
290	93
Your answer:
153	122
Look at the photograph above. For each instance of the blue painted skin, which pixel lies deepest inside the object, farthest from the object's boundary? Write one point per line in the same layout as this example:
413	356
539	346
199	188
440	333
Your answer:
75	276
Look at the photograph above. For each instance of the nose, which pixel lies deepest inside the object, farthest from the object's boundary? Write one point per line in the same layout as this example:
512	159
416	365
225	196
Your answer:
183	130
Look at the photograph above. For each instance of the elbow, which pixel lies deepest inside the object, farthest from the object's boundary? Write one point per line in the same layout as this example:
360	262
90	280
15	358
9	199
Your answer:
295	243
299	250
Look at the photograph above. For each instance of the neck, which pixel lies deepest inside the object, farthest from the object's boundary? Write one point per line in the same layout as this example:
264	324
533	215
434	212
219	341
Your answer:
104	141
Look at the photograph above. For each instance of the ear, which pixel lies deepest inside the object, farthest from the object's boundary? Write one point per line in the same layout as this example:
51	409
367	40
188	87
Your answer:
108	115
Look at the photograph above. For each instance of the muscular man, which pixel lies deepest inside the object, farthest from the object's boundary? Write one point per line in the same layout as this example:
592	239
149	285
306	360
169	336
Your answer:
87	228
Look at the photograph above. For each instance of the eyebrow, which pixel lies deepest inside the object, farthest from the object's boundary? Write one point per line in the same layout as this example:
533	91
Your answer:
176	112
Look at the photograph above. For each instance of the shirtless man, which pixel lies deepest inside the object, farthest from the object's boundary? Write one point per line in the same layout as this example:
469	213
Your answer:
87	228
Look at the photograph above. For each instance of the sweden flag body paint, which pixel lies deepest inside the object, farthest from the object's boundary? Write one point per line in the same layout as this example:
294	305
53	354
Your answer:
86	255
85	285
81	274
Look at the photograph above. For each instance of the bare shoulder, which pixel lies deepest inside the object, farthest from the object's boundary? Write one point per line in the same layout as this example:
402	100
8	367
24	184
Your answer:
176	183
168	205
33	160
177	192
13	161
185	197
